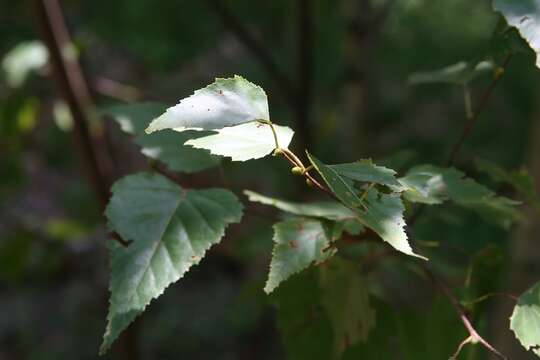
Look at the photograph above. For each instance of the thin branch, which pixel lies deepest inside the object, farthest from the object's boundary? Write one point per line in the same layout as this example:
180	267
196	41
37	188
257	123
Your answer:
460	311
242	33
468	340
71	82
471	121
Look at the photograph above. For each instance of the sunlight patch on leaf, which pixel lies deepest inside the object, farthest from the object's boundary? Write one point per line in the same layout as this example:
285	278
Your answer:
252	140
525	319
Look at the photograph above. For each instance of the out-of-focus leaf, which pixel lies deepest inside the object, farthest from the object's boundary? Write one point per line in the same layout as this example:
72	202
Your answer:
383	213
524	15
345	297
22	60
434	185
457	74
520	180
170	228
301	319
525	319
165	146
299	243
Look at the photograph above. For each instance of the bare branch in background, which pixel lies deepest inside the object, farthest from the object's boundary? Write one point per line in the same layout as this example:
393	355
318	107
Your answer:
237	27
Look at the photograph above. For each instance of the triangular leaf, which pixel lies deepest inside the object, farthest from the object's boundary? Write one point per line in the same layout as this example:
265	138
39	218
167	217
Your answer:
165	146
237	110
171	228
525	319
298	244
226	102
383	213
525	16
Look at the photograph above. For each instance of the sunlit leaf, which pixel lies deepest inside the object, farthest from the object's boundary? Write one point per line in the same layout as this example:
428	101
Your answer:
226	102
237	110
252	140
524	15
525	319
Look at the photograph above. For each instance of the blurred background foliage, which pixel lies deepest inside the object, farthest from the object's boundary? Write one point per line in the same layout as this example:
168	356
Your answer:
53	261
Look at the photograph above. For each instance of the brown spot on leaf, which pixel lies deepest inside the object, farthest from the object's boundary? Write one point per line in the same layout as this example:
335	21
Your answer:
293	244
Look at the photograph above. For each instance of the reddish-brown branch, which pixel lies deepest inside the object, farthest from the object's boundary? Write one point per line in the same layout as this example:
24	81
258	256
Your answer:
460	311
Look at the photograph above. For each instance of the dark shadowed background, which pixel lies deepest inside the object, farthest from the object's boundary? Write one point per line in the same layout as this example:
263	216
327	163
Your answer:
336	72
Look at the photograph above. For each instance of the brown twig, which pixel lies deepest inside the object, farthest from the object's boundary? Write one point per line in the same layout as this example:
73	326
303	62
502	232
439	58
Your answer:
242	33
460	311
71	82
471	120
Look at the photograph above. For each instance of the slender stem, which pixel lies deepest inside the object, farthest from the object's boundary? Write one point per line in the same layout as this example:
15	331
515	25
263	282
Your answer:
460	311
469	124
488	296
269	123
468	340
467	101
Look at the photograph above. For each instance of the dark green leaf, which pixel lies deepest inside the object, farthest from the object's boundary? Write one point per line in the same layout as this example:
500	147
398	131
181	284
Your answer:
171	228
298	244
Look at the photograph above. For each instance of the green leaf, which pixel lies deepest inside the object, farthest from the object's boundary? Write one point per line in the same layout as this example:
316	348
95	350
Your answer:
252	140
345	298
331	210
299	243
226	102
237	110
525	319
520	180
366	171
20	61
382	213
171	228
434	185
165	146
301	320
524	15
457	74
